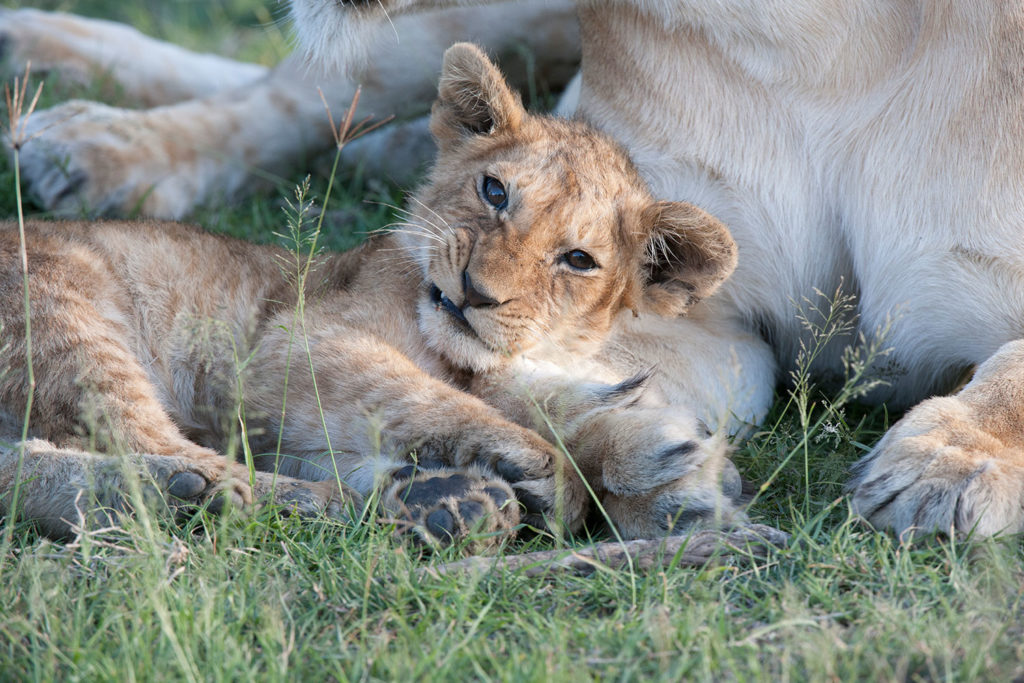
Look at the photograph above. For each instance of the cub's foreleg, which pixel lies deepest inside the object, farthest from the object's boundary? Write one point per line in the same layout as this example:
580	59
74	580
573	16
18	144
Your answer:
379	413
953	464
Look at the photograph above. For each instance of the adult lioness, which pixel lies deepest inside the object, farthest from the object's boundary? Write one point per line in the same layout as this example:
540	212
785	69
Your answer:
465	337
869	143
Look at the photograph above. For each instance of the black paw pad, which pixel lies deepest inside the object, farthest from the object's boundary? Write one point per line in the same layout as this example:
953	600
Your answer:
508	471
498	495
439	507
531	502
424	492
441	524
403	472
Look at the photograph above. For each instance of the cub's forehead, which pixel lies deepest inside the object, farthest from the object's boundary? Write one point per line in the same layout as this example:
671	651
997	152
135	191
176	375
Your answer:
571	162
587	206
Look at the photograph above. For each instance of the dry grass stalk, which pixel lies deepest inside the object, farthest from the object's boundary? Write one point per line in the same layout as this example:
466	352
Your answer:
345	131
695	550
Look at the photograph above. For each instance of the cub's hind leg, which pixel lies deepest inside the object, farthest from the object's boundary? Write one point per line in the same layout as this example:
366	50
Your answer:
62	488
91	390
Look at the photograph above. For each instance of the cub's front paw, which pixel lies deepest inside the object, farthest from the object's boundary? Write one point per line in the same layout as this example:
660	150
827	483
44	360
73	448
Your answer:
659	469
940	468
711	497
543	478
444	506
638	449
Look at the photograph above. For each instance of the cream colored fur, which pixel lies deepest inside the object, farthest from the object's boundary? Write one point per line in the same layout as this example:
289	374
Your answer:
474	340
870	144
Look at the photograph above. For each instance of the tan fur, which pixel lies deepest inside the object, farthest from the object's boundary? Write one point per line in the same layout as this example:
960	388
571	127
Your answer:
954	462
155	339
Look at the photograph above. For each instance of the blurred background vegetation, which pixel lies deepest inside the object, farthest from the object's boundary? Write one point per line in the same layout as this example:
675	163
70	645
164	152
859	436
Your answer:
249	30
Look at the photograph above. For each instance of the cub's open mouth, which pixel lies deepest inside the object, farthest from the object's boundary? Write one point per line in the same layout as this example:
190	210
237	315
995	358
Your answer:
442	301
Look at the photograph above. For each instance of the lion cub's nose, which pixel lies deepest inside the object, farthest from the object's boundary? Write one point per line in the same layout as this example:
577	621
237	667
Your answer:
473	296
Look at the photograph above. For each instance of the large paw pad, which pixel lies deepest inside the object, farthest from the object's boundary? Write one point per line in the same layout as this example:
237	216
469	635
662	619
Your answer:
440	507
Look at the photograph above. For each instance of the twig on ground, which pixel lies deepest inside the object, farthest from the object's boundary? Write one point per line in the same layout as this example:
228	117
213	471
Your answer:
695	550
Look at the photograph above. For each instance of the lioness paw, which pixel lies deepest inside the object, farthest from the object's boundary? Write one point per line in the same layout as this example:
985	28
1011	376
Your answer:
441	507
85	157
939	469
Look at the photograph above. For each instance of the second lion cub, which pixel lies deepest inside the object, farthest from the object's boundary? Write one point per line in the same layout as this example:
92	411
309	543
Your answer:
448	361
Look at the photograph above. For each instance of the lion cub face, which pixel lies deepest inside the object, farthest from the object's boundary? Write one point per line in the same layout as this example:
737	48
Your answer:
534	233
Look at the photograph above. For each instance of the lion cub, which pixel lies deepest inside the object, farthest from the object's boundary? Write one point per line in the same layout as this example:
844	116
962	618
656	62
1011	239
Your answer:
452	362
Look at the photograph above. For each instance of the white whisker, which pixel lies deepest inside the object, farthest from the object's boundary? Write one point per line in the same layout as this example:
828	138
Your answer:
437	230
439	216
411	214
427	221
418	231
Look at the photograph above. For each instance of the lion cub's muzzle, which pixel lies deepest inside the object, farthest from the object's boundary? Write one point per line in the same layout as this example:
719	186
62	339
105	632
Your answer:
443	303
472	298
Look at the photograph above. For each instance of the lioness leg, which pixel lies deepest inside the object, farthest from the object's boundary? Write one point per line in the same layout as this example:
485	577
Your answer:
165	161
954	463
147	71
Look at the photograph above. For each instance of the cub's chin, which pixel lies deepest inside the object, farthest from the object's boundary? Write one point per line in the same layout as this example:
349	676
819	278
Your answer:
447	331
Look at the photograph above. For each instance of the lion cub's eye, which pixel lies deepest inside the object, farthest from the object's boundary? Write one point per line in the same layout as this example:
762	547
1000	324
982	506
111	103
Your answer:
579	259
494	192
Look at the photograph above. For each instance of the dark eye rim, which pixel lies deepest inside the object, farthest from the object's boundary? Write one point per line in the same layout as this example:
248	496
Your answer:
588	262
484	181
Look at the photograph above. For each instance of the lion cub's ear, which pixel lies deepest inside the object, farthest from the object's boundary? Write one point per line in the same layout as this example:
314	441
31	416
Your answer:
472	98
689	254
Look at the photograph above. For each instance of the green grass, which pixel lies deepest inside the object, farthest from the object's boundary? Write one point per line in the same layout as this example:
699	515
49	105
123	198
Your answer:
268	598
